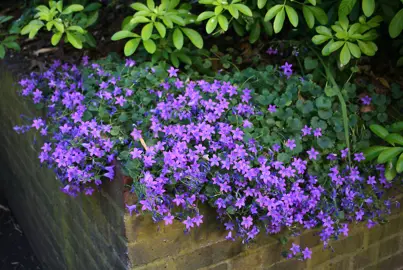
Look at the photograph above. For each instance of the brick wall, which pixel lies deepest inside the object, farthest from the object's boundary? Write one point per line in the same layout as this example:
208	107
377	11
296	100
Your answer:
94	232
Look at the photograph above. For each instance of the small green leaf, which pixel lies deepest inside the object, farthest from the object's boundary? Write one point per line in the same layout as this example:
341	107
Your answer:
233	11
319	39
394	138
174	60
368	7
310	63
308	15
388	154
397	127
139	7
261	3
396	25
272	12
335	46
211	25
326	50
243	9
147	31
194	37
150	4
367	47
319	14
345	55
346	6
131	46
150	46
72	8
372	152
354	49
390	171
205	15
2	51
56	38
177	38
161	29
123	34
379	131
254	33
223	22
292	15
279	21
74	40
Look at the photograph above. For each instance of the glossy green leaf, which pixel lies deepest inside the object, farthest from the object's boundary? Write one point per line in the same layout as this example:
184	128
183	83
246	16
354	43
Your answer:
243	9
131	46
335	46
323	30
147	31
174	60
205	15
292	15
326	50
272	12
345	55
177	38
92	7
396	25
233	11
319	39
379	131
149	45
161	29
211	25
194	37
388	154
399	164
367	47
368	7
261	3
396	127
346	6
150	4
56	38
308	15
279	21
354	49
139	7
394	138
372	152
223	22
319	14
123	34
390	171
72	8
255	33
74	40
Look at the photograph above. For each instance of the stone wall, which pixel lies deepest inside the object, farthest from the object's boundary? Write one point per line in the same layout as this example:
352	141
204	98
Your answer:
95	233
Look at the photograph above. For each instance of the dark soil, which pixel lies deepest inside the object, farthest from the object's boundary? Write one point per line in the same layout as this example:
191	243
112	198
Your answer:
15	251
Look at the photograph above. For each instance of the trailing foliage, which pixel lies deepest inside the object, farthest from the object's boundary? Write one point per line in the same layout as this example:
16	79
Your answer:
7	41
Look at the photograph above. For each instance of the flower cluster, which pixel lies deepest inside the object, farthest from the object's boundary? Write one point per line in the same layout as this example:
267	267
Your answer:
188	142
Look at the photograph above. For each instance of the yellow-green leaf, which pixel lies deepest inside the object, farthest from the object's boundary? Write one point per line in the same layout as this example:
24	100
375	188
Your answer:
279	21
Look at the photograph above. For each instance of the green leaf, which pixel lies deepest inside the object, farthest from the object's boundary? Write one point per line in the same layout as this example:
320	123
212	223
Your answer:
74	39
367	47
254	33
268	27
345	7
233	11
345	55
147	31
279	21
292	15
56	38
261	3
177	38
12	45
76	28
139	6
323	30
372	152
368	7
323	103
174	60
388	154
131	46
161	29
399	164
92	7
72	8
354	49
310	63
223	21
308	15
123	34
319	39
335	46
211	25
319	14
150	4
272	12
243	9
394	138
390	171
194	37
184	58
396	25
2	51
379	131
313	2
326	50
149	45
205	15
178	20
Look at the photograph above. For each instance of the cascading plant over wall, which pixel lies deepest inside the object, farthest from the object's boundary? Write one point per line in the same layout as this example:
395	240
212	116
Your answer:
190	142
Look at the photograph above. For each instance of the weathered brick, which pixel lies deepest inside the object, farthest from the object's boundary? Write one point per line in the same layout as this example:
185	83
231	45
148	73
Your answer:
380	232
287	265
389	247
366	257
221	266
344	263
392	262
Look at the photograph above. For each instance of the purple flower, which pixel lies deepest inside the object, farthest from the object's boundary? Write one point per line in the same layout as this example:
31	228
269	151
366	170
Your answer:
306	253
136	134
290	144
271	51
366	100
344	153
276	147
131	208
312	153
317	132
173	72
359	157
287	69
130	63
295	249
247	222
189	223
306	131
168	219
272	108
